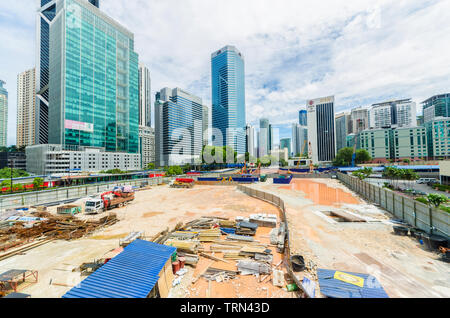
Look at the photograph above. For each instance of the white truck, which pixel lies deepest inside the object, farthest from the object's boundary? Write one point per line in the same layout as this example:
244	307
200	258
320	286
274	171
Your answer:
107	201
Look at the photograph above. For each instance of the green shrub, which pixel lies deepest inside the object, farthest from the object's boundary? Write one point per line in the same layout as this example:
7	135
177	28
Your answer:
422	200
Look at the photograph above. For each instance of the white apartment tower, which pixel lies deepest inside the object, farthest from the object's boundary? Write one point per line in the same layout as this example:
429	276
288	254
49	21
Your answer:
26	108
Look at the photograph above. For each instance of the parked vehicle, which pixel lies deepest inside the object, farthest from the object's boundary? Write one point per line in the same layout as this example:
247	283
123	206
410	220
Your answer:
433	182
425	180
107	201
182	183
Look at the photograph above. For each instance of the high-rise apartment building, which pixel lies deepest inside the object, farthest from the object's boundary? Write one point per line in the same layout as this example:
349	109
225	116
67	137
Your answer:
321	129
303	117
359	120
250	140
93	80
264	137
145	96
3	114
45	15
178	127
26	108
400	113
228	98
147	145
436	106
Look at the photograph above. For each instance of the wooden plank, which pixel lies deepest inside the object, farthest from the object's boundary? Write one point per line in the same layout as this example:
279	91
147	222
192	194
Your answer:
214	258
204	271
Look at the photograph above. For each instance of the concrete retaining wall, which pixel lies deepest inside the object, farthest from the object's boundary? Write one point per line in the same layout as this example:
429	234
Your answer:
48	196
415	213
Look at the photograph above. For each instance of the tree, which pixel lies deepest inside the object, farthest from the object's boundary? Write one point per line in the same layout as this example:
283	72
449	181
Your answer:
283	163
343	157
38	183
151	166
436	199
362	155
363	173
5	173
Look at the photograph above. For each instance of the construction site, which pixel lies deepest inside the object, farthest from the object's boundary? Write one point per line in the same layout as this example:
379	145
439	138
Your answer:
236	236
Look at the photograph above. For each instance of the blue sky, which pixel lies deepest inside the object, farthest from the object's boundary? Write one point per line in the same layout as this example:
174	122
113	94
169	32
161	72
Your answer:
361	51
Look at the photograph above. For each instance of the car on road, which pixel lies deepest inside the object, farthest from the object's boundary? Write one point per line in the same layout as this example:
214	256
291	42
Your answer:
425	180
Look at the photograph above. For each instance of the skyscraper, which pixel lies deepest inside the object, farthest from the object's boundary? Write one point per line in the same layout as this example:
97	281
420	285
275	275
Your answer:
205	125
286	143
26	108
359	120
145	96
342	130
45	15
93	80
299	140
436	106
228	98
303	117
3	114
178	127
321	129
250	140
264	137
400	113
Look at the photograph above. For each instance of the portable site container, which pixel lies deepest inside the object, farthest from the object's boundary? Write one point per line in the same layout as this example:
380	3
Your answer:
283	180
69	209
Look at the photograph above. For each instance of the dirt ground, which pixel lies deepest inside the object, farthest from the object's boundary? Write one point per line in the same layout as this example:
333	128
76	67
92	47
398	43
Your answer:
401	264
152	211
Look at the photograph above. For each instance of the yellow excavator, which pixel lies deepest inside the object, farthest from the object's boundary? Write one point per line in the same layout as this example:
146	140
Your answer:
301	154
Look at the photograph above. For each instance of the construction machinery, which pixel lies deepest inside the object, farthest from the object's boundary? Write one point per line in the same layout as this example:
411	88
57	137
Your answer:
107	201
354	151
186	183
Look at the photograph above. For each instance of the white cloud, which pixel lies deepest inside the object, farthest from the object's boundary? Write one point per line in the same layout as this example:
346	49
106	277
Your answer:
361	51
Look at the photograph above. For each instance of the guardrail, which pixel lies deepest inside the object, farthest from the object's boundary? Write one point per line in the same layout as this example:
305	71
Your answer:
414	213
67	193
278	202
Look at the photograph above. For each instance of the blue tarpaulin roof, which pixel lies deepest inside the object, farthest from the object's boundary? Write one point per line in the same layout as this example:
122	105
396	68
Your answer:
131	274
336	288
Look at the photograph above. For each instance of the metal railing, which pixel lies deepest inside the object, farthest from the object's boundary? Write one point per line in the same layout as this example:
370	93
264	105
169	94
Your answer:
417	214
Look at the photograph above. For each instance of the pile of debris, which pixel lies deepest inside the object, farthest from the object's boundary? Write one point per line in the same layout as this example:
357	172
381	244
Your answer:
46	225
235	240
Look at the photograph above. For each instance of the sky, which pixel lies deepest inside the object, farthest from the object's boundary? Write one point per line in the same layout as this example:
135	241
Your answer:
360	51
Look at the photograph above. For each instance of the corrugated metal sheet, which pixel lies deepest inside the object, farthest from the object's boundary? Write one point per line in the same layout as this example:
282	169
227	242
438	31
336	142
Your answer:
131	274
335	288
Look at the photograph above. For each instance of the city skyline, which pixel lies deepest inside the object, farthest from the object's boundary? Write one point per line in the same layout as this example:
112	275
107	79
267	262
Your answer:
276	52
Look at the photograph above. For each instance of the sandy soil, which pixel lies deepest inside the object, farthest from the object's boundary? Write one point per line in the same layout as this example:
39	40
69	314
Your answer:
152	211
401	265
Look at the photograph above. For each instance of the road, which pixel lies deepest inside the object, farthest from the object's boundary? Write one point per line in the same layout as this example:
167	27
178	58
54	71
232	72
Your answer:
408	185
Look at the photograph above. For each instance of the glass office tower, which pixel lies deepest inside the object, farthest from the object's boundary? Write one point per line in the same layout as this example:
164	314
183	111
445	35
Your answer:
228	98
303	117
93	82
45	15
178	112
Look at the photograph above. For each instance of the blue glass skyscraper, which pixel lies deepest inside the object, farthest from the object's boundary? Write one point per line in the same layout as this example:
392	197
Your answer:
228	98
303	117
45	16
